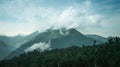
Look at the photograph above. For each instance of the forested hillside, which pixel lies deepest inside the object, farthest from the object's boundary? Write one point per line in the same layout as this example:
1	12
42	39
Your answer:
103	55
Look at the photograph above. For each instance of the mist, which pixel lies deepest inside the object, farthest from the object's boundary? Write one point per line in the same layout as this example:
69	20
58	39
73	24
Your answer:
41	46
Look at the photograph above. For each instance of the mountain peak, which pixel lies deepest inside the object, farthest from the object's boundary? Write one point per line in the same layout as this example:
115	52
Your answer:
74	31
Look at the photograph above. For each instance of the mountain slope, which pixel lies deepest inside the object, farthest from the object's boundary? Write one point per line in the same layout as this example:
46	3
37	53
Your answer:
12	41
9	44
42	37
4	49
16	41
99	38
73	38
58	38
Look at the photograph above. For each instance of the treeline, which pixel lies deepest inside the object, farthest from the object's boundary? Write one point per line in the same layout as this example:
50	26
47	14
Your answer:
103	55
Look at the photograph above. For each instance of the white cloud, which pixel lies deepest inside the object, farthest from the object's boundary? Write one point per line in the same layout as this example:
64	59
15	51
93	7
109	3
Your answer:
29	17
41	45
43	18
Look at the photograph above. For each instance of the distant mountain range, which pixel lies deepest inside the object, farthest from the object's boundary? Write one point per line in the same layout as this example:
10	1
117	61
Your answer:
55	38
97	37
9	44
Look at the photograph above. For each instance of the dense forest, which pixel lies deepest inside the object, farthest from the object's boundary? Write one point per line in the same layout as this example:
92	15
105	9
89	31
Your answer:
103	55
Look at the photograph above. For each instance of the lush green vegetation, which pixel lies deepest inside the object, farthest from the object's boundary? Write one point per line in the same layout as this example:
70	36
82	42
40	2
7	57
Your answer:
104	55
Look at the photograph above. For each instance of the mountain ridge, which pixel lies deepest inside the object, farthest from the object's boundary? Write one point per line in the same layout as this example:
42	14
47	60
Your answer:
58	40
97	37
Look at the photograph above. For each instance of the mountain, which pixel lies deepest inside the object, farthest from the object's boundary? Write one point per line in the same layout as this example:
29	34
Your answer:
31	36
42	37
9	44
16	41
4	49
73	38
11	41
97	37
60	38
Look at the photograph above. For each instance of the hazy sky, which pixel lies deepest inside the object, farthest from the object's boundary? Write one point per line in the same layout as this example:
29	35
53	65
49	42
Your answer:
100	17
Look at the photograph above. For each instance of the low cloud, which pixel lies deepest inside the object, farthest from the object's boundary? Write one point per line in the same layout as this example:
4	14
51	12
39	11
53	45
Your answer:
38	46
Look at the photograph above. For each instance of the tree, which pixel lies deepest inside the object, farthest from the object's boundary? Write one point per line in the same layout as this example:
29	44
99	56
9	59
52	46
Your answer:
117	40
110	41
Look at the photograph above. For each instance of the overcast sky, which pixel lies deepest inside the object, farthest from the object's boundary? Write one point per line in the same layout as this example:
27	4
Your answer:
101	17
